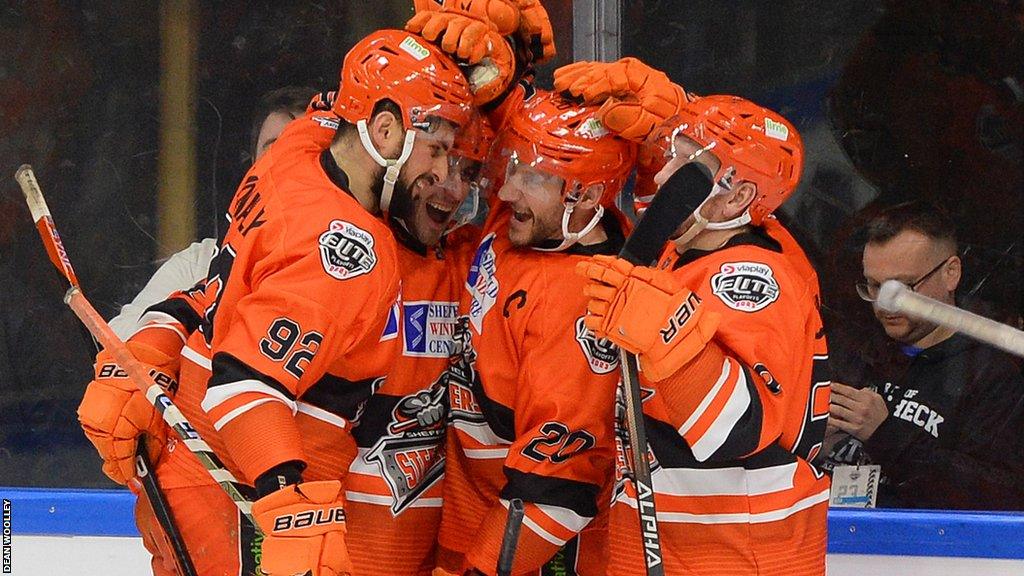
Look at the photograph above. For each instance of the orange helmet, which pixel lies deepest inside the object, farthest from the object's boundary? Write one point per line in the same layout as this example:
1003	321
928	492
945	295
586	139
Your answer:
753	143
406	69
566	139
465	167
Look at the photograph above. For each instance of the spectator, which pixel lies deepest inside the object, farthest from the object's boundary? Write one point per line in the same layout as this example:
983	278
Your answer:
942	414
275	110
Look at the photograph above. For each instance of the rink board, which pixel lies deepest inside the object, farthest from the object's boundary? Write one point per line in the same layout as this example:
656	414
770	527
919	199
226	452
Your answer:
72	532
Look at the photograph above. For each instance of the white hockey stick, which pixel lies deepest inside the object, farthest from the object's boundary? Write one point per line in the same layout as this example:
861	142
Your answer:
894	296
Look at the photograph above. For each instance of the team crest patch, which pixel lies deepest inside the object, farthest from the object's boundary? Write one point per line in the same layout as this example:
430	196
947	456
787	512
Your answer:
601	354
745	286
428	328
482	282
346	250
410	456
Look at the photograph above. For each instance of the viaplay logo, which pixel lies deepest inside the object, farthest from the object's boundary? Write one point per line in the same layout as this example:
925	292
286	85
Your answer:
428	327
745	286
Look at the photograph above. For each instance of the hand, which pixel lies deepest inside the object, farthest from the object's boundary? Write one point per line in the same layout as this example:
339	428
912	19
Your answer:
114	412
474	42
635	98
304	526
535	31
856	411
647	312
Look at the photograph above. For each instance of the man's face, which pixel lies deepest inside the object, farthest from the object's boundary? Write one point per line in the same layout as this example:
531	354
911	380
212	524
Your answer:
907	257
535	198
272	127
424	198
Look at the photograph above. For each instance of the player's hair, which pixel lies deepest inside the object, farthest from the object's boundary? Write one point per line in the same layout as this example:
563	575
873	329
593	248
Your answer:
917	215
290	100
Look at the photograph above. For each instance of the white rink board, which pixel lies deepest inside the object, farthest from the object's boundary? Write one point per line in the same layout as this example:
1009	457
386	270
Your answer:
78	556
110	556
871	565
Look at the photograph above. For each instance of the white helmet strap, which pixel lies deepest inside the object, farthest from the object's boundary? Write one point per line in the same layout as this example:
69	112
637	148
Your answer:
393	166
570	238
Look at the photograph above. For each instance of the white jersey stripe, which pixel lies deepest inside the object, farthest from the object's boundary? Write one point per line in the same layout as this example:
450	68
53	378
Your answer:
733	481
223	392
238	411
485	453
703	406
735	518
196	358
720	429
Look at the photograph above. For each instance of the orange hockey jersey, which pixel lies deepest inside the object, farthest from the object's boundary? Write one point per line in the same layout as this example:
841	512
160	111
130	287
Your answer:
731	433
394	486
531	396
302	290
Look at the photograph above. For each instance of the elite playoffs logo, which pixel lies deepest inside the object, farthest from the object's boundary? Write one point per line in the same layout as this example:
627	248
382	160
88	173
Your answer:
346	250
745	286
601	354
410	457
482	282
429	326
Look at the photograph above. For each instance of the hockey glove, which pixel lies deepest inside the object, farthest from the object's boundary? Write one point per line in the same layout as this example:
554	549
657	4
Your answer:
535	31
114	411
635	98
646	311
304	526
474	42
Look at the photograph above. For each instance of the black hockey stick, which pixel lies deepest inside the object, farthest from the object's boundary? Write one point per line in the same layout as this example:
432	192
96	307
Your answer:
509	541
677	198
144	470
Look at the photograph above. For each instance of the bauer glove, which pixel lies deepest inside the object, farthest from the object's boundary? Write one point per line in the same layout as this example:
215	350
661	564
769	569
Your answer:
304	526
114	412
645	311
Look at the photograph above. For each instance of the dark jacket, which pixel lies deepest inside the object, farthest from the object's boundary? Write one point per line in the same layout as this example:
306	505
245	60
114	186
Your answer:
955	434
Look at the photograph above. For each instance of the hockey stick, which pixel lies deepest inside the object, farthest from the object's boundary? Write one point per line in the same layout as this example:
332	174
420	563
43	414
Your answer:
894	296
106	337
509	541
144	469
677	198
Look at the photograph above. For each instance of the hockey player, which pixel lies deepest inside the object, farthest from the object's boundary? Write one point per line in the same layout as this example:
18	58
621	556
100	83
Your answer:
732	355
301	302
394	485
531	389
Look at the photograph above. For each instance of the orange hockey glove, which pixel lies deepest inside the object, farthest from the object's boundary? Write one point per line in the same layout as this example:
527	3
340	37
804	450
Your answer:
535	31
472	41
647	312
114	411
305	530
635	98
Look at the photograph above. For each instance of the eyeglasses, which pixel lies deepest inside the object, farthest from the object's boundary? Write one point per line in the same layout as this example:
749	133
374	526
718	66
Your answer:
868	291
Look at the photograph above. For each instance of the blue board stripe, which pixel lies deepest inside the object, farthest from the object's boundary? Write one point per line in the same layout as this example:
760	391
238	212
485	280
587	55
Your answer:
38	511
926	533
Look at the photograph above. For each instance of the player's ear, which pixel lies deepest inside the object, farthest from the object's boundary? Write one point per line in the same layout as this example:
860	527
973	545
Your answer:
590	197
386	133
742	195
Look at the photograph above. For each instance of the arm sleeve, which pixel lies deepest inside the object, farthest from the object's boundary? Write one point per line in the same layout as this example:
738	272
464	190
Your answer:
984	468
564	447
181	271
283	337
726	408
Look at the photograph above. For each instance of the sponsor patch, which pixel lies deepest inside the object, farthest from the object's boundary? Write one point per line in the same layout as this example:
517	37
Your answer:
391	326
428	328
327	122
482	282
601	354
745	286
777	130
346	250
591	128
414	48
